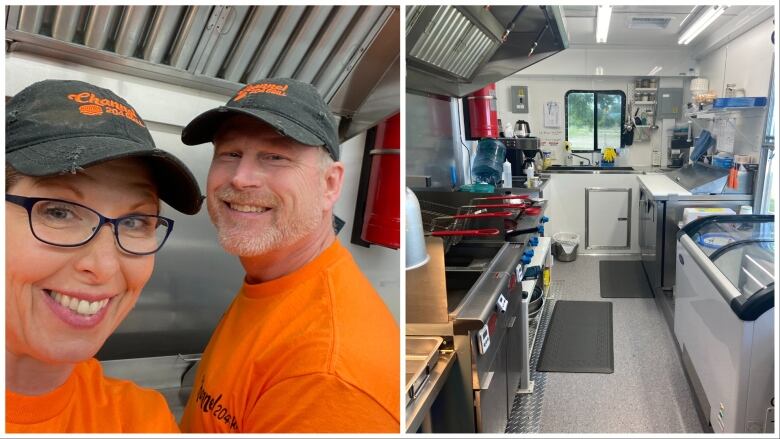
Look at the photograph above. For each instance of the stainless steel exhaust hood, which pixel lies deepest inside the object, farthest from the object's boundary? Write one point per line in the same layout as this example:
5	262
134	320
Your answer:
350	53
455	50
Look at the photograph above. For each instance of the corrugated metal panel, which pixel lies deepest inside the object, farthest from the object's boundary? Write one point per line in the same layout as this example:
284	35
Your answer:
31	18
189	34
323	48
258	26
273	47
67	18
239	44
354	43
160	36
102	20
453	43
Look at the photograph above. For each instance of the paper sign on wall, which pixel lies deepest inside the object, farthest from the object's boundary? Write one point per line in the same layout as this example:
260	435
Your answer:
552	114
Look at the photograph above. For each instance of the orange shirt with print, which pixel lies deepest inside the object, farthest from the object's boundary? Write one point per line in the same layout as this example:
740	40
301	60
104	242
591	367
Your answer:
89	402
313	351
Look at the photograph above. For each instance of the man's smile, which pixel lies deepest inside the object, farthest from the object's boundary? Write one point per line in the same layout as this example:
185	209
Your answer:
247	208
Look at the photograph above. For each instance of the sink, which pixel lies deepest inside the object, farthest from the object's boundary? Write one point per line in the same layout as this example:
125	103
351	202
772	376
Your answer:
590	168
421	355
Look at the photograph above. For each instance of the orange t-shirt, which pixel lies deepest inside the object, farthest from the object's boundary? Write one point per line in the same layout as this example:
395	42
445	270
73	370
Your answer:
89	402
313	351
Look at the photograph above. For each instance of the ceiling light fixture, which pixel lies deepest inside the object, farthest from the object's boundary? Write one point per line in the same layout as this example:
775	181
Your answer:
704	19
602	23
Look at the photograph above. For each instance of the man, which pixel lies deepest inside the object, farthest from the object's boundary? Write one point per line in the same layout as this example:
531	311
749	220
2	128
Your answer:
307	344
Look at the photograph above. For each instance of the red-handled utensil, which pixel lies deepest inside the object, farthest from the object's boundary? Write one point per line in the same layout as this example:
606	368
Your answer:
505	197
479	215
500	206
477	232
533	211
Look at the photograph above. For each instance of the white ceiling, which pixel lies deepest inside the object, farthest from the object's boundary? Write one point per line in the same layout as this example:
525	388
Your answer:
581	24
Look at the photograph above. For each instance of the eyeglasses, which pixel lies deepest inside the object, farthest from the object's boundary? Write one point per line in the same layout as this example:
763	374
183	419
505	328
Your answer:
65	224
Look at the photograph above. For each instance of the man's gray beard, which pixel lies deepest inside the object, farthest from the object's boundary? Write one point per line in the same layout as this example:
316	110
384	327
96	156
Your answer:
235	240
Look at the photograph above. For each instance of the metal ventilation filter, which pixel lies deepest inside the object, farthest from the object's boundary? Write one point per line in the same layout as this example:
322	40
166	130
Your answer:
239	44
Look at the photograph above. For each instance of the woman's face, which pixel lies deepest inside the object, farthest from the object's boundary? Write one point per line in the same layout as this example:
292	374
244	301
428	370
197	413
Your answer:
41	278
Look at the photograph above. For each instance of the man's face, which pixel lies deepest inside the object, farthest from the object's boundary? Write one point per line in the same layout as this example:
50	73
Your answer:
266	191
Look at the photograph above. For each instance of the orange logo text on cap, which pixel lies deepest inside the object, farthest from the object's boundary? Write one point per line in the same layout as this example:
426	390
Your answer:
95	106
275	89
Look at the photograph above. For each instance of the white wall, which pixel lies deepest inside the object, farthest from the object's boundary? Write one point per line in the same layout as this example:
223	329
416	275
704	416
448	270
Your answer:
554	88
746	61
168	108
615	61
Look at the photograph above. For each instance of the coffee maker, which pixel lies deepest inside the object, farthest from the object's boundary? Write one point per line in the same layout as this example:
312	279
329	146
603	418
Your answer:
520	149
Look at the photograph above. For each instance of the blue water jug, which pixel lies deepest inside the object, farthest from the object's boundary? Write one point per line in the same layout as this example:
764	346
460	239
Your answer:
489	161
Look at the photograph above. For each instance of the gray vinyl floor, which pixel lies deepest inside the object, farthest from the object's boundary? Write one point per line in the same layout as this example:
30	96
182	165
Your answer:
647	393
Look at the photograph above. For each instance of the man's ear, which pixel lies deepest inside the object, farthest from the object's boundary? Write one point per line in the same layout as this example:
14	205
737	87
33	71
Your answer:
334	179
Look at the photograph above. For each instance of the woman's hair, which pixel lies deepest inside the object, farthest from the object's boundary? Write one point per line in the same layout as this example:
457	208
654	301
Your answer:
12	176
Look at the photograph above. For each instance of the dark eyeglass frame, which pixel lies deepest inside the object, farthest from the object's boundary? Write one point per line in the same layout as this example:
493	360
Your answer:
28	202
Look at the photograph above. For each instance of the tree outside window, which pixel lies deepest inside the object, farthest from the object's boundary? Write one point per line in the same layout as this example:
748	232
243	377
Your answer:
594	119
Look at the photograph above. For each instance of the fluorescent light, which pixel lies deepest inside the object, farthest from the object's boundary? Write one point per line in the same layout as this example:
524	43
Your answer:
702	22
655	71
602	23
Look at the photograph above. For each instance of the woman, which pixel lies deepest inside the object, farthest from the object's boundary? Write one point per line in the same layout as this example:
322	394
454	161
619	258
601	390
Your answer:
83	188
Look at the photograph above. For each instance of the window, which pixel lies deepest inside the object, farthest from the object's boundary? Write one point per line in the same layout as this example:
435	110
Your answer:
594	119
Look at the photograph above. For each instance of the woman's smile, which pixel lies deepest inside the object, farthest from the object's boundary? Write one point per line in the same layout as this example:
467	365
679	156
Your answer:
77	312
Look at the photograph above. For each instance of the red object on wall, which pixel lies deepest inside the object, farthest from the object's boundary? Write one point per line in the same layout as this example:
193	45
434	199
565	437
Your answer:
382	220
483	114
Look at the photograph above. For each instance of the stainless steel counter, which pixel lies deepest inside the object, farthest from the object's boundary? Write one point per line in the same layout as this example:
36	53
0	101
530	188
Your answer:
597	170
416	411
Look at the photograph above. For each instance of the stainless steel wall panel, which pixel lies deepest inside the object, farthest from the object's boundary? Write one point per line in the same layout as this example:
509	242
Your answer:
277	41
456	31
254	32
190	33
451	30
208	39
348	52
100	26
465	51
31	18
226	37
162	32
426	42
131	29
65	21
329	38
301	44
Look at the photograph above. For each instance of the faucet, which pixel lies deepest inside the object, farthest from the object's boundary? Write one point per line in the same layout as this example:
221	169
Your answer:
589	161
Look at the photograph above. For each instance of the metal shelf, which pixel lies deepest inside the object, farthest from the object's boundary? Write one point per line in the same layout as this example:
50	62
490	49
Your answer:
645	89
644	102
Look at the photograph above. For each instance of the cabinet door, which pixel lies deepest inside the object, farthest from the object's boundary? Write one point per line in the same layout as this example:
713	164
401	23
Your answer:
608	218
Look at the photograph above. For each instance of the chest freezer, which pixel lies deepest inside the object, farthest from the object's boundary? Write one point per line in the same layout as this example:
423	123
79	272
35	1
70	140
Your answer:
724	319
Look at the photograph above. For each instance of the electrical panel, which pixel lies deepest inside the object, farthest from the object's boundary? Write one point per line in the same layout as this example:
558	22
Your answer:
519	98
670	103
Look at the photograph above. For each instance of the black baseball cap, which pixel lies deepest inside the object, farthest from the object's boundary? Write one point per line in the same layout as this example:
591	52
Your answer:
54	127
294	108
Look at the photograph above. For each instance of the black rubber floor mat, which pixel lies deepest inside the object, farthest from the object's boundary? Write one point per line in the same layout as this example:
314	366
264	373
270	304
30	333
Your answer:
579	338
623	279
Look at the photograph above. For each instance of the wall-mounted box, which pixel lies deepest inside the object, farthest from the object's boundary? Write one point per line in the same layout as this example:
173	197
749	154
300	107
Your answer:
670	102
519	98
